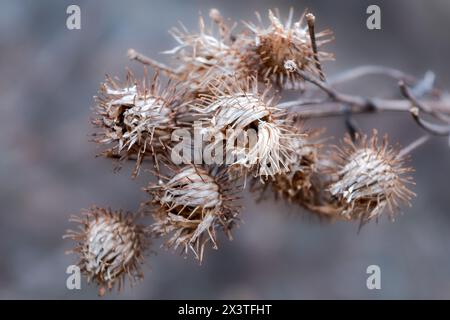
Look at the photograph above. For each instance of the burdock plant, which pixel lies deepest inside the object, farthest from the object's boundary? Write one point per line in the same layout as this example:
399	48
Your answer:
232	80
110	247
191	206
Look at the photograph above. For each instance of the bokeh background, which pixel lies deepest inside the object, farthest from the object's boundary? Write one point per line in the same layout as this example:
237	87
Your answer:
48	169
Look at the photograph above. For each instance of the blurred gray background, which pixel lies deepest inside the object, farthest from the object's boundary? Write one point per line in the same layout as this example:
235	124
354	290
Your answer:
48	169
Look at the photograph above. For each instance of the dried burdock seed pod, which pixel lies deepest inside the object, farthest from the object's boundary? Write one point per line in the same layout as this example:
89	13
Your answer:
270	47
191	206
257	136
369	177
135	119
295	184
110	247
206	56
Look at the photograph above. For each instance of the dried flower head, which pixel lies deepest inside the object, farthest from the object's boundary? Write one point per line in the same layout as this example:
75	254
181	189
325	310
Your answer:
369	177
206	56
136	119
270	47
191	206
110	247
258	134
295	184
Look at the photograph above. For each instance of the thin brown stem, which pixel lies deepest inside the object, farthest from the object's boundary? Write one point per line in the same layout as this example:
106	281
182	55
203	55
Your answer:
335	108
435	129
310	19
134	55
406	92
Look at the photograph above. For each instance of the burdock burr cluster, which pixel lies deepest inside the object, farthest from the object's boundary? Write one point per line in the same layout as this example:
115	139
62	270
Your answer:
211	124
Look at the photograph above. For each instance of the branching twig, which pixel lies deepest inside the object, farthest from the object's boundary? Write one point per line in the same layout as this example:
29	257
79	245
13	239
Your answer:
395	74
435	129
406	92
134	55
333	108
355	104
417	106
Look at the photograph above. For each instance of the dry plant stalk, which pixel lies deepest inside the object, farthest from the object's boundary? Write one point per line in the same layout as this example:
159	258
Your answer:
232	79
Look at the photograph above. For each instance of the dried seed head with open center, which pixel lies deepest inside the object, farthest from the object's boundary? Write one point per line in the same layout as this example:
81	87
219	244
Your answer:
191	206
257	135
206	56
369	177
135	119
270	47
110	247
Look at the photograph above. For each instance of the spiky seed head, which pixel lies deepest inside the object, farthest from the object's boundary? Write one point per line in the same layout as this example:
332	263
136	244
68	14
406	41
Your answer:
369	177
205	57
193	188
135	119
191	206
295	184
270	47
110	247
241	110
